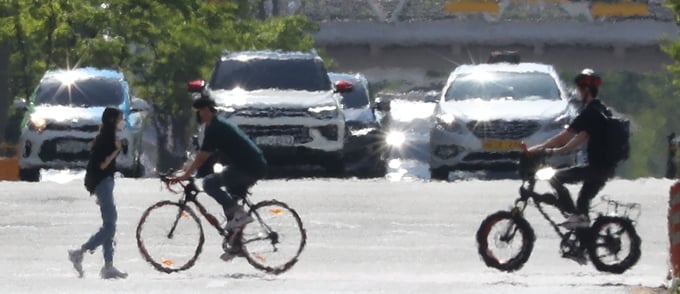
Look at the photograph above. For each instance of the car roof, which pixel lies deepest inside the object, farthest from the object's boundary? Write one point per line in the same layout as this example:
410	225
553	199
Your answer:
269	54
505	67
84	72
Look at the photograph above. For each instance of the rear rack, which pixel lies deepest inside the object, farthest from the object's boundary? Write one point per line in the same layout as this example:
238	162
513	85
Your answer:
622	209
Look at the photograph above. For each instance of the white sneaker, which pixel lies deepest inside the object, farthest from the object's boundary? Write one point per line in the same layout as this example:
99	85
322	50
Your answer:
240	219
76	257
110	272
576	221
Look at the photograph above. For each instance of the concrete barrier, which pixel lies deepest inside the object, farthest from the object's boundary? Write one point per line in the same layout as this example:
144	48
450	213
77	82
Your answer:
674	235
9	162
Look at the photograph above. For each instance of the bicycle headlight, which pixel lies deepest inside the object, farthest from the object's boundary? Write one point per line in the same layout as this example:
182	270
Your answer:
37	125
545	174
324	112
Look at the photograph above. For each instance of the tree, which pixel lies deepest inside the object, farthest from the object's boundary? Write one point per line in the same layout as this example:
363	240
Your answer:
161	45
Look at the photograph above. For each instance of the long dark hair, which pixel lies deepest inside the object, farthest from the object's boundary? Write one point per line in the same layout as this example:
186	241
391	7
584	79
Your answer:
107	130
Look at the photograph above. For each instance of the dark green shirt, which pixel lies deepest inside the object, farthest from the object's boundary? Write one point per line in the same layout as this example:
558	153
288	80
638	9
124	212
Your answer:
234	146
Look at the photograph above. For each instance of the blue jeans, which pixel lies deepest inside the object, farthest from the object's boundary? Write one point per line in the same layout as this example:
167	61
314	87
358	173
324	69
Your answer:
104	236
236	183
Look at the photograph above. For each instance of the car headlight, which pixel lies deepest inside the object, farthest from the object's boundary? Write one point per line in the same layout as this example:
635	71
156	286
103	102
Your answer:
559	123
447	122
37	125
395	138
324	112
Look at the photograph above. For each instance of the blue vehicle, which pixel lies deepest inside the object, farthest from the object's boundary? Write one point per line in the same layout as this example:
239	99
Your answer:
62	117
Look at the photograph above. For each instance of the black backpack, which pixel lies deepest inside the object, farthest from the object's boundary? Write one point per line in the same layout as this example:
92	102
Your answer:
617	137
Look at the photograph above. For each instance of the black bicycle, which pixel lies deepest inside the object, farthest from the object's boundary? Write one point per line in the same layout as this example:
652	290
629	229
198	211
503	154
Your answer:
170	235
505	239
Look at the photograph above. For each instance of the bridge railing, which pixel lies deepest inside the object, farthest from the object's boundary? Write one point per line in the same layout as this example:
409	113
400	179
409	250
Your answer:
489	10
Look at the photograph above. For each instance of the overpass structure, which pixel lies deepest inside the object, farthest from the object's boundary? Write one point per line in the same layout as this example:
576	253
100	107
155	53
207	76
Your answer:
427	37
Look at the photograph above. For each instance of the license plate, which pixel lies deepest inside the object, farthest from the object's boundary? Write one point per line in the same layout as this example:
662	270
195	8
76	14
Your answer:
275	140
501	145
72	146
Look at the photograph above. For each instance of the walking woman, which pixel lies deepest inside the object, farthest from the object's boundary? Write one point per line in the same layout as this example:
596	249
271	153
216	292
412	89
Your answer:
99	181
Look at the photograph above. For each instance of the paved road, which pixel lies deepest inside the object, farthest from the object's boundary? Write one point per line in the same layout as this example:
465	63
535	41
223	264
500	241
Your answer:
372	236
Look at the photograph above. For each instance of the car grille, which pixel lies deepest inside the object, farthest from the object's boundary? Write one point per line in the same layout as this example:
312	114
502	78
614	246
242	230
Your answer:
299	133
78	149
63	127
272	112
502	129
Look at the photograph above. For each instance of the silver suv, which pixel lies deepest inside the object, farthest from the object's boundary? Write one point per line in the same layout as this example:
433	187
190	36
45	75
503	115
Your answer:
487	110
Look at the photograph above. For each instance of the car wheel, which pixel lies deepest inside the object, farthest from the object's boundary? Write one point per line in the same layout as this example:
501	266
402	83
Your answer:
376	169
335	167
29	174
137	171
439	174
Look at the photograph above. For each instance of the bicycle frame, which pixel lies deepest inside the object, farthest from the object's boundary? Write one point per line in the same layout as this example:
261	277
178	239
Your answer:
190	194
527	192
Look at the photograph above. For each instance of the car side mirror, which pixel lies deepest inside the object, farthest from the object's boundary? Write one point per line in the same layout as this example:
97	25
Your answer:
383	105
20	104
196	86
343	87
139	105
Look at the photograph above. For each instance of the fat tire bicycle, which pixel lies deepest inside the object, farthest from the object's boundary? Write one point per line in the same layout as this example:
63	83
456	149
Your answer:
611	241
170	235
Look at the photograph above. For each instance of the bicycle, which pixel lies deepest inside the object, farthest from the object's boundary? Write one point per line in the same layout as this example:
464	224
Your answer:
168	228
603	240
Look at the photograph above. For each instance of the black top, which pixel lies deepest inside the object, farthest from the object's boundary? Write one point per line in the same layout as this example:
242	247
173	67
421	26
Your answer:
235	146
592	121
94	174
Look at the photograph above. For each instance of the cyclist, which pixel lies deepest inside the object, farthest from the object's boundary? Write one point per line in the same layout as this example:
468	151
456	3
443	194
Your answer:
246	163
588	126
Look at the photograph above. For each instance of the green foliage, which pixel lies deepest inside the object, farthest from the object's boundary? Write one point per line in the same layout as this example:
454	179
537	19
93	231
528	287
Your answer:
161	45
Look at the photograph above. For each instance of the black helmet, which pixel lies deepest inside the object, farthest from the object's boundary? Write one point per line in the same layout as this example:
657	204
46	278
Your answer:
204	102
588	78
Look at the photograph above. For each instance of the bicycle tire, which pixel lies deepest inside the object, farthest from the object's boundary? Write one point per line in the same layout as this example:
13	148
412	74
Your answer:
634	249
515	261
167	212
286	224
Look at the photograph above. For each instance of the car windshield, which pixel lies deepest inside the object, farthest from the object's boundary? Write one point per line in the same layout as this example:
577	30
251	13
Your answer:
257	74
357	98
82	92
503	85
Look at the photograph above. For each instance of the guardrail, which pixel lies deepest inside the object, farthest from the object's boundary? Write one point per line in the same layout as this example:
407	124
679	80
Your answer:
491	10
674	237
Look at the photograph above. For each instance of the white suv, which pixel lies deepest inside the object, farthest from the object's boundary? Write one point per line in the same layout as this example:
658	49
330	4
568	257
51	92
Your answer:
284	101
63	115
487	110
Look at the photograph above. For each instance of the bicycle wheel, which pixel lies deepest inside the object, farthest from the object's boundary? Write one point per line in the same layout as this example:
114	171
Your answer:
274	241
615	246
505	241
170	236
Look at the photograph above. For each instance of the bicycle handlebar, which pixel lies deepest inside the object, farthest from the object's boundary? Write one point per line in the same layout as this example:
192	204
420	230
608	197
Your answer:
166	178
530	162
